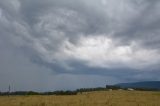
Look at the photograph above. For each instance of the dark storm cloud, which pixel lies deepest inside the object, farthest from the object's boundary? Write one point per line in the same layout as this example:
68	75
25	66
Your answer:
81	38
77	17
144	28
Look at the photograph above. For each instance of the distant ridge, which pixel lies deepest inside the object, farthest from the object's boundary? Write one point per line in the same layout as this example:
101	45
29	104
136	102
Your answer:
144	84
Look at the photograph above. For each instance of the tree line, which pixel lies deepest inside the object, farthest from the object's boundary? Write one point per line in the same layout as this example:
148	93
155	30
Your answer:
75	92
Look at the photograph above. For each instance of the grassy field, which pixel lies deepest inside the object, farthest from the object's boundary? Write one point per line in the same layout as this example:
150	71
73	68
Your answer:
101	98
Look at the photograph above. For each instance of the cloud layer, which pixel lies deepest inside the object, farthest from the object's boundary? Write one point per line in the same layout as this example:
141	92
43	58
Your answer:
78	39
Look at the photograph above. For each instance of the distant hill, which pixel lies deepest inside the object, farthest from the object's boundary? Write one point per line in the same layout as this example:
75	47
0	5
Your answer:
145	84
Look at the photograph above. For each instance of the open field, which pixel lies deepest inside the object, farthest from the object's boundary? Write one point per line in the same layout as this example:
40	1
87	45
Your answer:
101	98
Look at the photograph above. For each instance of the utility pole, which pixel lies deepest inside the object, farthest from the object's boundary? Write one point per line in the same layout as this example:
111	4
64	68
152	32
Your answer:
9	90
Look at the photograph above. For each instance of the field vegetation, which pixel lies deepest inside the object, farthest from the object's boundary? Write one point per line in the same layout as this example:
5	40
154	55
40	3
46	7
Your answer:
95	98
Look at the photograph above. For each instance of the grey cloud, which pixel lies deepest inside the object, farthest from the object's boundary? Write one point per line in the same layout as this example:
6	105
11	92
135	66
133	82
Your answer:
38	30
144	28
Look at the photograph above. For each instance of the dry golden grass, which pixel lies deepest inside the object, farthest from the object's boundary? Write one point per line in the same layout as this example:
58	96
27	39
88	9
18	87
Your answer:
101	98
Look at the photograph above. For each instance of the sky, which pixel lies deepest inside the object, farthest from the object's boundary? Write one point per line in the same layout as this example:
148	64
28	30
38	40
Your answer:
48	45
